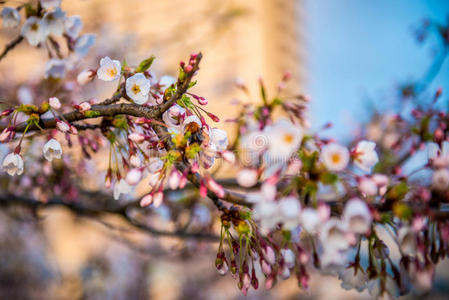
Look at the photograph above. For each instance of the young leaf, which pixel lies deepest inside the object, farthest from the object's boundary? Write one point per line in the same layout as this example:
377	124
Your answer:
145	64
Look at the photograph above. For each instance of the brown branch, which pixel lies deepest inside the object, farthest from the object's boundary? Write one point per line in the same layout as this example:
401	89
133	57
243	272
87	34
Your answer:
11	45
98	212
183	86
107	108
101	111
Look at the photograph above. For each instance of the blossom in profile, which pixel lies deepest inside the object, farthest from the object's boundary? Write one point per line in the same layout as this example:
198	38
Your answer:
166	81
54	22
13	164
84	77
174	116
10	17
335	157
33	30
55	68
407	241
54	103
353	278
284	138
289	209
52	149
138	88
365	155
48	4
219	138
121	187
333	235
310	220
109	69
357	216
83	44
73	26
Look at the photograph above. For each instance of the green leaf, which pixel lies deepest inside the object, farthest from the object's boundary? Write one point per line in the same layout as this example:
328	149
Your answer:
120	122
192	84
145	64
328	178
402	211
397	192
91	114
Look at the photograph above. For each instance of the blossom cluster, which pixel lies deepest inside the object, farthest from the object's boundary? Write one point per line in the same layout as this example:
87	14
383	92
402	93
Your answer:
49	26
301	202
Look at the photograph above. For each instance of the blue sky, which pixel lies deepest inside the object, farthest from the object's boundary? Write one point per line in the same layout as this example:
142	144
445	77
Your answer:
362	48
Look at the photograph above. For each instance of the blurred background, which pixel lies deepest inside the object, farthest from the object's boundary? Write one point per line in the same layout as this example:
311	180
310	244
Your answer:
350	56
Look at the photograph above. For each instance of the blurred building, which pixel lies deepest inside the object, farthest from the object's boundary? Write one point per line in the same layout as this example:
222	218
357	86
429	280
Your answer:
247	39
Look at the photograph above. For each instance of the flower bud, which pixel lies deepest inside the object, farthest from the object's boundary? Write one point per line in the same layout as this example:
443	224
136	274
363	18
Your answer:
85	77
54	103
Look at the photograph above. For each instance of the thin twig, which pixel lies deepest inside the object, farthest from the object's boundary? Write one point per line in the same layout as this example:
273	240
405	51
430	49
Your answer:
11	45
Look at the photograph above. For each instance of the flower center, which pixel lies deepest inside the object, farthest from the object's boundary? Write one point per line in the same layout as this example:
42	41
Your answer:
112	72
135	89
335	158
35	27
288	138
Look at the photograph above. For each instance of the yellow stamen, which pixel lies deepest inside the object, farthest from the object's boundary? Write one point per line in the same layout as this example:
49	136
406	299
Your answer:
288	138
335	158
112	72
135	89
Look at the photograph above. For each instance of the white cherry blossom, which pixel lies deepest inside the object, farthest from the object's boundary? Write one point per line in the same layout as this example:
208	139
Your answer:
73	26
10	17
54	103
33	30
109	69
13	164
54	22
138	88
52	149
357	216
284	138
121	187
365	155
335	157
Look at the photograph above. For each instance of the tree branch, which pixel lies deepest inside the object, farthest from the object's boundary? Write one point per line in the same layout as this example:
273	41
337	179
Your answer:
98	212
11	45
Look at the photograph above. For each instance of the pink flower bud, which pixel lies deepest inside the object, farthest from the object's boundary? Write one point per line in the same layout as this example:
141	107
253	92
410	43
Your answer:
228	156
62	126
174	179
54	103
269	255
202	101
266	268
133	177
203	190
7	112
183	181
215	187
147	200
213	117
85	106
158	198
